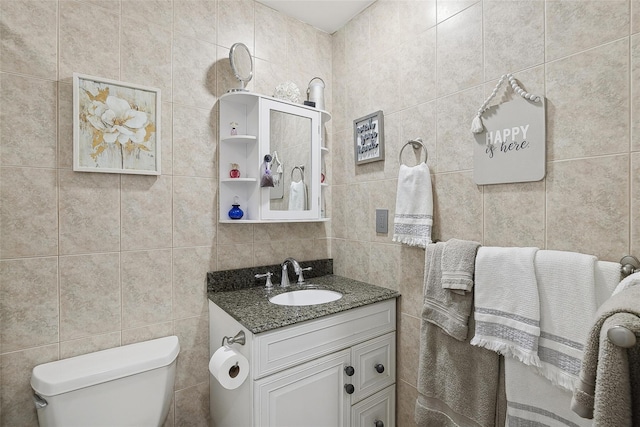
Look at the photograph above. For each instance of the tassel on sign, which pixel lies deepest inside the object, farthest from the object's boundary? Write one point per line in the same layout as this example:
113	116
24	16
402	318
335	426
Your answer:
476	125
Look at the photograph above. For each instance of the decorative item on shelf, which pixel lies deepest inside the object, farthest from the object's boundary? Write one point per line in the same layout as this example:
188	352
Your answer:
315	92
234	172
241	65
321	177
288	91
234	128
235	212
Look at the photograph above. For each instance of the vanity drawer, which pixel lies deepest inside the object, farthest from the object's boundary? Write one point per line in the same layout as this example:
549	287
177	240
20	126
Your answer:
378	410
374	364
286	347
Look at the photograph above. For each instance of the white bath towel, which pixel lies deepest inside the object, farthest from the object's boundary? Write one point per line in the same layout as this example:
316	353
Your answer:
566	285
414	206
608	275
627	282
297	196
506	302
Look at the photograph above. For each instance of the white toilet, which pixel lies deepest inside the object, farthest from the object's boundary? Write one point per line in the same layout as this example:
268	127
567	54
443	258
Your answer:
130	385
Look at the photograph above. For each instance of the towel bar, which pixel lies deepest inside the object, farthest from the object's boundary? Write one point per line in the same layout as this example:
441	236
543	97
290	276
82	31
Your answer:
415	143
621	336
630	265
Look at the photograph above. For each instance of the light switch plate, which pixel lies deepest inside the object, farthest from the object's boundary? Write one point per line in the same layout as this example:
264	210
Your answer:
382	220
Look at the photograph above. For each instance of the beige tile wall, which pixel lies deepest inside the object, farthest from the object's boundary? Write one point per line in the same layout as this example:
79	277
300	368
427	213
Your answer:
429	64
91	261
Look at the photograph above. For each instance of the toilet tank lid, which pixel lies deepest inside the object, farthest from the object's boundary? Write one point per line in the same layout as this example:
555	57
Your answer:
74	373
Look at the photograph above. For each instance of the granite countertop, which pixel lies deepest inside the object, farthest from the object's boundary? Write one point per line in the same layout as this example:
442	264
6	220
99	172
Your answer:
251	306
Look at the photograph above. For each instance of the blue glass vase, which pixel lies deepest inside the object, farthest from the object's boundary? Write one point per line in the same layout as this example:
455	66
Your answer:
235	212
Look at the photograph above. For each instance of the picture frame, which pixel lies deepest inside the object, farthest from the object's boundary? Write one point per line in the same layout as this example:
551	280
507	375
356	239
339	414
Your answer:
368	138
116	126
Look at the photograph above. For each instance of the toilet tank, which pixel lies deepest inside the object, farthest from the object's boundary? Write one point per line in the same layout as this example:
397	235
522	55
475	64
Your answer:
130	385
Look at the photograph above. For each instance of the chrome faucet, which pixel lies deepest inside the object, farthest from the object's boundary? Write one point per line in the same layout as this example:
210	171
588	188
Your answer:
284	282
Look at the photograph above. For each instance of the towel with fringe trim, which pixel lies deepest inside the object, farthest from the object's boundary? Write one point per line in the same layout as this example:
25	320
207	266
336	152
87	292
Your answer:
414	206
458	265
507	310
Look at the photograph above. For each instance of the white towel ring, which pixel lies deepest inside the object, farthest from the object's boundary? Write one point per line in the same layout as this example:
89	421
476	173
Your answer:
415	143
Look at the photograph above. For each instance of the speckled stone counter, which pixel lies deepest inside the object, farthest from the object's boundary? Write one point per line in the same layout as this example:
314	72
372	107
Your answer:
251	306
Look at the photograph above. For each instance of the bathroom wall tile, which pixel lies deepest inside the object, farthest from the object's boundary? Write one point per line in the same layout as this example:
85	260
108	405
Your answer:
382	196
28	212
416	16
270	253
146	55
635	204
89	295
360	101
384	261
417	69
317	249
193	361
338	211
28	38
386	83
146	333
65	126
267	76
159	12
385	29
194	211
146	212
236	233
89	212
453	149
594	218
338	252
194	72
575	26
16	395
271	36
192	406
358	40
408	348
196	18
190	267
167	138
302	51
514	214
511	28
635	16
447	8
171	416
459	51
194	142
457	207
231	257
412	261
146	287
89	40
269	232
342	153
591	105
358	206
28	121
635	91
420	122
89	345
28	303
405	408
236	23
358	256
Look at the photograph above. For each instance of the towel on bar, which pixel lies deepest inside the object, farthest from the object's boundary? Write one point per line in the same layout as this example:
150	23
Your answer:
627	282
297	196
608	275
414	206
507	313
443	308
533	401
566	286
609	387
458	265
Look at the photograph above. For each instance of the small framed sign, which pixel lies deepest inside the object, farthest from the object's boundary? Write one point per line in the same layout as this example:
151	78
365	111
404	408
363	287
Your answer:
368	138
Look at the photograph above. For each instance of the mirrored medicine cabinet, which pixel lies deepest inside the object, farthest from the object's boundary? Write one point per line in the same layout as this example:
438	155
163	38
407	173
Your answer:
258	132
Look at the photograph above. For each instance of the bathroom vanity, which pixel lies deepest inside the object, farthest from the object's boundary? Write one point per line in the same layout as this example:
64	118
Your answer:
329	364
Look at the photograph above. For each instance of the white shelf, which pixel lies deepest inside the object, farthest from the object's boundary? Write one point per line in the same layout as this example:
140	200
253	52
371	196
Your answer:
239	179
324	150
240	138
262	221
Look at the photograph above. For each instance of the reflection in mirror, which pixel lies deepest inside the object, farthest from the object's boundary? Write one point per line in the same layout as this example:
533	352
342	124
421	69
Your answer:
241	64
290	137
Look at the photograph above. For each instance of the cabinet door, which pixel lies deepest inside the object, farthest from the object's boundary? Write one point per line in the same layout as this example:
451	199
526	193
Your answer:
308	395
374	362
376	411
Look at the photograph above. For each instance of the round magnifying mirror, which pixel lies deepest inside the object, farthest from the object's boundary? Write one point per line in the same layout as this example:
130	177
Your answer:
241	64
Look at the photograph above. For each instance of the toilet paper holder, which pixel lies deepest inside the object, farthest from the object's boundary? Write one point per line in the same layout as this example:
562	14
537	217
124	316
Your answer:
239	338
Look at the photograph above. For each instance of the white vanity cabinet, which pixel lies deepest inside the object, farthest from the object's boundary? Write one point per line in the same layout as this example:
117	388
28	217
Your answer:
337	370
252	126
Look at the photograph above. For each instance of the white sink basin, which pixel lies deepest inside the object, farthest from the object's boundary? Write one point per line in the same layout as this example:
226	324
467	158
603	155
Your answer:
306	297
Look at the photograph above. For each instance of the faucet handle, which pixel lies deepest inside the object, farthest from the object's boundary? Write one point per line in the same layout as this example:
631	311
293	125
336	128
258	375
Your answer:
268	275
300	276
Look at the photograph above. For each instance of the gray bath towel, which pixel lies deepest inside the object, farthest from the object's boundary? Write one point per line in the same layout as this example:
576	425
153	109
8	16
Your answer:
609	387
458	265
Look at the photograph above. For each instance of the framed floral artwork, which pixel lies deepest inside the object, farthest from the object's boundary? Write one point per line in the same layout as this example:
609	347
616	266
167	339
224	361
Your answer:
116	126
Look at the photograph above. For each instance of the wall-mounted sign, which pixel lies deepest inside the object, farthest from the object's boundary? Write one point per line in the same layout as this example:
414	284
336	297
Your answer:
368	136
512	146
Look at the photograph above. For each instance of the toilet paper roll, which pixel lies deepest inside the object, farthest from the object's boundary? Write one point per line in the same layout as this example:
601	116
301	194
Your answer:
229	367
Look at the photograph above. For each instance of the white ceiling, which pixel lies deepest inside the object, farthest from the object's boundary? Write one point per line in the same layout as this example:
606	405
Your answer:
326	15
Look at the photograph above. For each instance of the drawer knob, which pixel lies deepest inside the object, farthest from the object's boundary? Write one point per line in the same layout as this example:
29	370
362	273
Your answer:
349	388
349	370
378	423
379	367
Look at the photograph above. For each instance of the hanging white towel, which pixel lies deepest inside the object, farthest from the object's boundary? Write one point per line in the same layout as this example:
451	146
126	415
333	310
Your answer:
627	282
414	206
297	196
507	310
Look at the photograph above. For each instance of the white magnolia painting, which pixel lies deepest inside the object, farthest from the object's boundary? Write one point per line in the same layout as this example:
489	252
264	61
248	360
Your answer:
116	127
